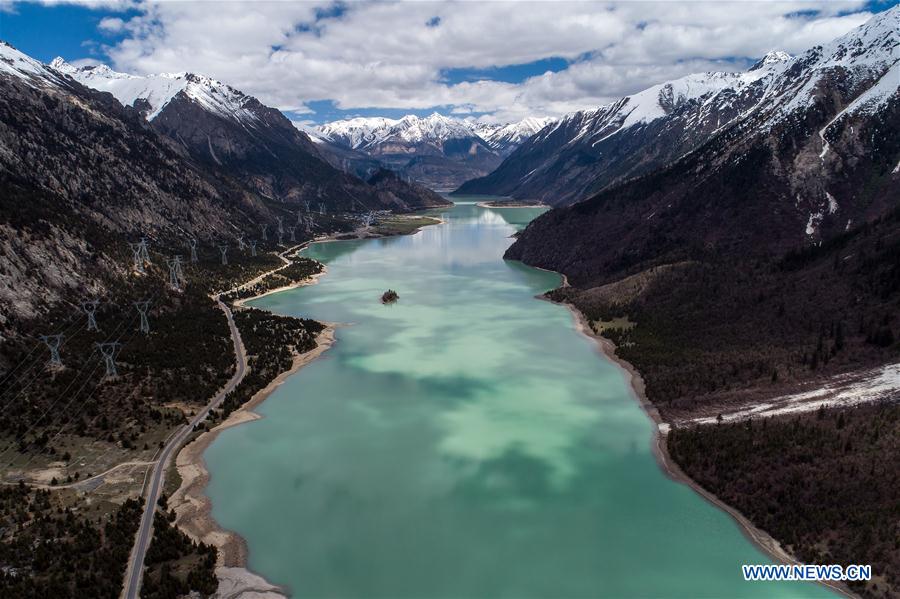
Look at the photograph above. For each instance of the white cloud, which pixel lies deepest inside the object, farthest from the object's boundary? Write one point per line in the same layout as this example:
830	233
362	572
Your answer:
85	62
111	24
385	55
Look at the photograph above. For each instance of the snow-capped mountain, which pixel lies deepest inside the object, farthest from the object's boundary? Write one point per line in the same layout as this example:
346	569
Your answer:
438	150
505	138
795	151
367	132
591	150
152	93
16	64
224	128
364	133
81	173
78	175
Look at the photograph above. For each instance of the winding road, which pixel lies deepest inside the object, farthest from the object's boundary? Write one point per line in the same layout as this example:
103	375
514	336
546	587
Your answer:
157	477
135	568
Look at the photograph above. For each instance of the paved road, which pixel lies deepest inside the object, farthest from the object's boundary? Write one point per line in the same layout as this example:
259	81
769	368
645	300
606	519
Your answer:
145	532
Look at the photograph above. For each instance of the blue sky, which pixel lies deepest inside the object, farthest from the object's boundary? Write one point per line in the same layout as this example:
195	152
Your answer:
495	61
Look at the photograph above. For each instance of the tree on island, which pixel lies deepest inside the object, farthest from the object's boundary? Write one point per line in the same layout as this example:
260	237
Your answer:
389	297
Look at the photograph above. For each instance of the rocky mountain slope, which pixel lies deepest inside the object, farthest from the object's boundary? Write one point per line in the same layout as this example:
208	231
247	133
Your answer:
590	151
228	131
812	151
438	151
81	176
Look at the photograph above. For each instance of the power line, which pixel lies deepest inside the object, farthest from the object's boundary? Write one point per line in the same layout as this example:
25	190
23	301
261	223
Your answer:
55	402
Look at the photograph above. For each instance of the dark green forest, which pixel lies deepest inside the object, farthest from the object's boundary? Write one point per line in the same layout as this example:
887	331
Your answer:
823	483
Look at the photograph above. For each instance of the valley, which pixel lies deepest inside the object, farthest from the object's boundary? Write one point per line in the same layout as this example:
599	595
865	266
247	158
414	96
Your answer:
290	309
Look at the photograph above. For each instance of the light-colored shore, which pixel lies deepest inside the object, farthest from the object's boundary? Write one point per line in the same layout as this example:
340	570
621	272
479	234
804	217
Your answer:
311	280
522	205
193	509
763	540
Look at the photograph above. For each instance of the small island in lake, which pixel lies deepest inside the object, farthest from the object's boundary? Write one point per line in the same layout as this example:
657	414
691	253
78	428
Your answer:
389	297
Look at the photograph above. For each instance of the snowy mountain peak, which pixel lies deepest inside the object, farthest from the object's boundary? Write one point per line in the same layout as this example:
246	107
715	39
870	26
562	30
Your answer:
436	128
773	57
158	90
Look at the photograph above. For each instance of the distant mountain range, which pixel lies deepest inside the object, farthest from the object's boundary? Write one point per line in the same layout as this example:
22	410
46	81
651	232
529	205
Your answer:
437	151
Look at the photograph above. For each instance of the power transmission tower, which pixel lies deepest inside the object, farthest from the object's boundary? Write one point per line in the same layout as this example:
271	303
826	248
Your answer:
53	342
193	244
142	307
178	270
109	350
90	308
322	208
280	229
293	231
175	274
306	205
263	228
145	253
241	244
253	247
224	249
138	257
300	217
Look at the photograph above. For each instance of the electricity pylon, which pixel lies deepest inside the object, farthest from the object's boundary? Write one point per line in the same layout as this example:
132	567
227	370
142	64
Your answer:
109	350
193	244
142	307
90	308
53	342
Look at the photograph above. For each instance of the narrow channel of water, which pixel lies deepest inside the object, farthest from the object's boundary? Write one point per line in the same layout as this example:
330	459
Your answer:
465	442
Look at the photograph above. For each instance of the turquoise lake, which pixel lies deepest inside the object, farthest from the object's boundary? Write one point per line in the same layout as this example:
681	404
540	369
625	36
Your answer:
465	442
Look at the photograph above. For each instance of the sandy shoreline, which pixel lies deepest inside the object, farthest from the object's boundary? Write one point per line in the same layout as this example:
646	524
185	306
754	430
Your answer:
763	540
191	504
193	508
311	280
493	205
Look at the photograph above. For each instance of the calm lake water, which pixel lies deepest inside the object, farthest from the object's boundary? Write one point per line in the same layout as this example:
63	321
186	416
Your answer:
465	442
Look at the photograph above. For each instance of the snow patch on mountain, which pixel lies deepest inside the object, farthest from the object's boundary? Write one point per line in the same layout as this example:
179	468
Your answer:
832	203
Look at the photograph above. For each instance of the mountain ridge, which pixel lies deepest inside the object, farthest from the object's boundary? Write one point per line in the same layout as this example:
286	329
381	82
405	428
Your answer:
440	151
589	151
225	129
